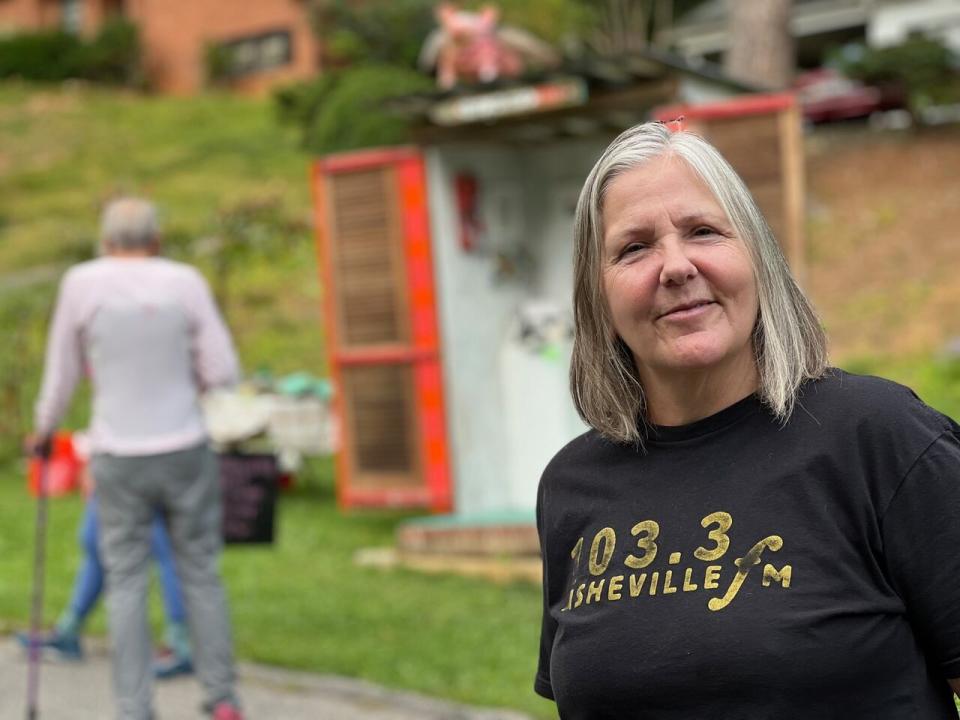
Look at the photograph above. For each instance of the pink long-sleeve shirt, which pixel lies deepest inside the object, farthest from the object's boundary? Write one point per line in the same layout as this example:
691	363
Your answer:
148	333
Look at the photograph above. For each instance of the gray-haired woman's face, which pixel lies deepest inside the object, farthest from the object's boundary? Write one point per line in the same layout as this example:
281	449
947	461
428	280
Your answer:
678	280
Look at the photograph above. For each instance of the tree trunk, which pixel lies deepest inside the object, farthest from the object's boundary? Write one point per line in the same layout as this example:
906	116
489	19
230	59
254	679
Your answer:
624	27
761	46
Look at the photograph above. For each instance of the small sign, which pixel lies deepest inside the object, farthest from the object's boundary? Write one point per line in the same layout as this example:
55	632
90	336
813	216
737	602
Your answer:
512	101
249	484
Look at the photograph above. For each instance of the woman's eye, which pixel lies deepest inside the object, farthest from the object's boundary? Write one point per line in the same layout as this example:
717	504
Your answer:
631	249
704	231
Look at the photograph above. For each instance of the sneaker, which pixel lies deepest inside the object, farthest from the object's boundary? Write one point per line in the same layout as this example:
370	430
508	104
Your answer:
66	647
226	711
169	666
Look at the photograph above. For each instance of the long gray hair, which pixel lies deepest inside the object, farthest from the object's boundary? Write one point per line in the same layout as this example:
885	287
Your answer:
788	341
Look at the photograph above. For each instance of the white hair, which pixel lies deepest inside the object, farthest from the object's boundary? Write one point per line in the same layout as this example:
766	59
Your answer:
788	342
129	223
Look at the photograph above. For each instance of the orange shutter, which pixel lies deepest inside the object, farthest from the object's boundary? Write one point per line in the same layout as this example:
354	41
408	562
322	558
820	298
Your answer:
382	340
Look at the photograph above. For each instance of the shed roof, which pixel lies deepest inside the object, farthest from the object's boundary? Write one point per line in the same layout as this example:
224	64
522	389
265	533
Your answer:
585	96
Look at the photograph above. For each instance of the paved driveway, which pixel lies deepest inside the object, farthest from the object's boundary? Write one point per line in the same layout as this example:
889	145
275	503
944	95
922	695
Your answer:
81	691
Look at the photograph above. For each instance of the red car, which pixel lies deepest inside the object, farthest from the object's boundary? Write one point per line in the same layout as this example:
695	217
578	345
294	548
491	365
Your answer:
826	96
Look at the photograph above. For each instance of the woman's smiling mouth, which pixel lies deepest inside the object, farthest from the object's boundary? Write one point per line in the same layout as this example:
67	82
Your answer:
687	310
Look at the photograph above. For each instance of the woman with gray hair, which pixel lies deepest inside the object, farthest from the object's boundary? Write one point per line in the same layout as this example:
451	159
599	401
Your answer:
744	532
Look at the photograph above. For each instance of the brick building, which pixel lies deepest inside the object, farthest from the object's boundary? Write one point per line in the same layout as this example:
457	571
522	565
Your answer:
261	42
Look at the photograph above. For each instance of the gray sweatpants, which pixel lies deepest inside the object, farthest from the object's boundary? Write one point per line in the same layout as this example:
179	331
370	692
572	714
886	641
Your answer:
185	487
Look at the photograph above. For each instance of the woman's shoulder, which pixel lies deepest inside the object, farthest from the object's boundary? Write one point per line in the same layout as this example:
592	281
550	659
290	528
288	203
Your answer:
588	449
868	402
856	386
862	390
585	444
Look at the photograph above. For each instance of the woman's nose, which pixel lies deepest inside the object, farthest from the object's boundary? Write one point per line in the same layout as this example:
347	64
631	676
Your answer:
677	266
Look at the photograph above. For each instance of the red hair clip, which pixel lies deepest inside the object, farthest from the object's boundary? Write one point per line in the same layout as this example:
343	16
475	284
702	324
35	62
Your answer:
675	125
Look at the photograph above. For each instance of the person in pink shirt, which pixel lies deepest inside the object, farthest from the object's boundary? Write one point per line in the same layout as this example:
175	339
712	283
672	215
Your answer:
147	332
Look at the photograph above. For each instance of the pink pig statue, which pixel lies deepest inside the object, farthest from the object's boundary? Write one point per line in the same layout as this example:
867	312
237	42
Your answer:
469	46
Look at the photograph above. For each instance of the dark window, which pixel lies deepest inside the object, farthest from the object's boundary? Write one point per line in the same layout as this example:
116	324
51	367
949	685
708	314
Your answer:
258	52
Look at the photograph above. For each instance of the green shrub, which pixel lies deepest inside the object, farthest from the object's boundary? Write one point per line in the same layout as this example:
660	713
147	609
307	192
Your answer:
47	55
112	56
381	31
922	67
298	104
344	109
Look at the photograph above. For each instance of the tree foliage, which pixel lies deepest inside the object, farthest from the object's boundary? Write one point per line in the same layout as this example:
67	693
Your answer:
344	110
923	68
379	31
559	22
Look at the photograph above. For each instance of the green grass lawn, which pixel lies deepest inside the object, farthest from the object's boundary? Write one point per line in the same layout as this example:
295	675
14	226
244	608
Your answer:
304	604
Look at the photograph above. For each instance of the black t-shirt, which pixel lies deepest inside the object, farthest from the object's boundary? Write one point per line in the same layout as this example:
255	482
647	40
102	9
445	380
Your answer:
745	569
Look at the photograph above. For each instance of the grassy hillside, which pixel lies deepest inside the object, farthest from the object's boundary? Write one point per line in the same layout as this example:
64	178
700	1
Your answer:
66	150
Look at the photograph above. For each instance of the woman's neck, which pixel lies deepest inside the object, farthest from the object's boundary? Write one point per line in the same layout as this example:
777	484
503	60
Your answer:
683	397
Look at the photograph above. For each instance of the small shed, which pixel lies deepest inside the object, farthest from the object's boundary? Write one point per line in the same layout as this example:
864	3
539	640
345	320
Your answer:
448	270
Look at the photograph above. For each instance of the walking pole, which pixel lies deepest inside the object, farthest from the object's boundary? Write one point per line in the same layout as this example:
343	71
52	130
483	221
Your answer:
42	453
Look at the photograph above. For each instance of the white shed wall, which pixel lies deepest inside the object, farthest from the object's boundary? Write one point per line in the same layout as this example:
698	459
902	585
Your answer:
508	408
